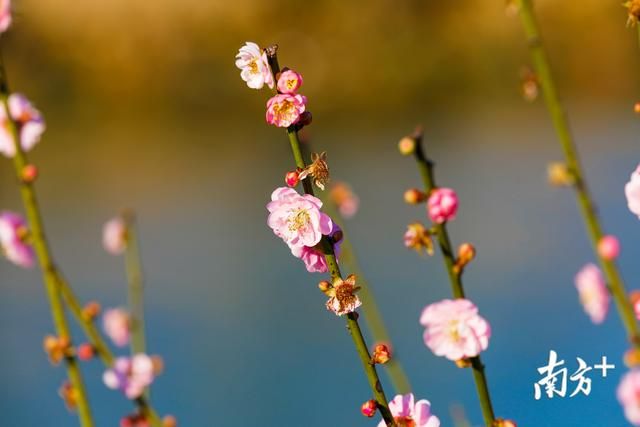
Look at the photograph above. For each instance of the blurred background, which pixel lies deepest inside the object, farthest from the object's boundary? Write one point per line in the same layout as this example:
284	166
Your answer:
145	109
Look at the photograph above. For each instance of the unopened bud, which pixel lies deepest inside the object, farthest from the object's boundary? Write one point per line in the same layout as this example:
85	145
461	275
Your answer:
381	354
636	107
501	422
292	178
306	118
413	196
609	247
632	358
29	174
91	310
559	175
463	363
85	352
369	408
158	365
69	395
169	421
466	253
324	286
407	146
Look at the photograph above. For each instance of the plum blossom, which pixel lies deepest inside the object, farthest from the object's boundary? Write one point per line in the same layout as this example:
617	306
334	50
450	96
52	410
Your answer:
131	375
417	237
407	412
628	392
13	231
454	329
345	199
632	192
30	125
114	236
313	258
254	66
442	205
342	296
297	219
593	292
284	110
117	326
5	15
289	82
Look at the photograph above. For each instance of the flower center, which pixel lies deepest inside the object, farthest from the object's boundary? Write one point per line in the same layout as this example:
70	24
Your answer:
253	66
291	84
298	220
405	422
454	332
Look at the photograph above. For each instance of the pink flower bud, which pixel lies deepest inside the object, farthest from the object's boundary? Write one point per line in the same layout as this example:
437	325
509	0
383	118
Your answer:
442	205
292	178
29	174
85	352
169	421
369	408
289	82
609	247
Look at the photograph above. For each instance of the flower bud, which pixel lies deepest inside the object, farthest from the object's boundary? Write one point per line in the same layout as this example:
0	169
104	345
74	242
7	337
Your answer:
466	253
69	395
609	247
158	365
29	173
169	421
324	286
559	175
636	107
442	205
369	408
632	358
381	354
305	118
501	422
292	178
463	363
413	196
407	146
91	310
85	352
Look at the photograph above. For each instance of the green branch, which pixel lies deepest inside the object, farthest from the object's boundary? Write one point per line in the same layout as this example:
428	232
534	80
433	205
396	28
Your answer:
585	202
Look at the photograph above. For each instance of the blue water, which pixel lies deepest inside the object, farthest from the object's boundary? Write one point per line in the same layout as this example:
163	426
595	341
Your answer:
245	336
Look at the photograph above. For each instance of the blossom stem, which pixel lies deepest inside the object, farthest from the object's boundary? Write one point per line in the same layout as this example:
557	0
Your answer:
425	165
135	278
585	202
45	260
352	318
372	316
334	269
97	341
57	287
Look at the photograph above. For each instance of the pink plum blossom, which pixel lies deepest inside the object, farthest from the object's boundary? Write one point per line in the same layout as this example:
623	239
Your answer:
30	125
289	82
117	326
5	15
284	110
13	230
628	393
442	205
609	247
297	219
407	412
632	192
131	375
593	292
114	236
313	258
454	329
254	66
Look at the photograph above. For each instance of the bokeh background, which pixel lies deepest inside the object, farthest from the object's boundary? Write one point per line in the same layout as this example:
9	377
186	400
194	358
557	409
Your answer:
145	109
